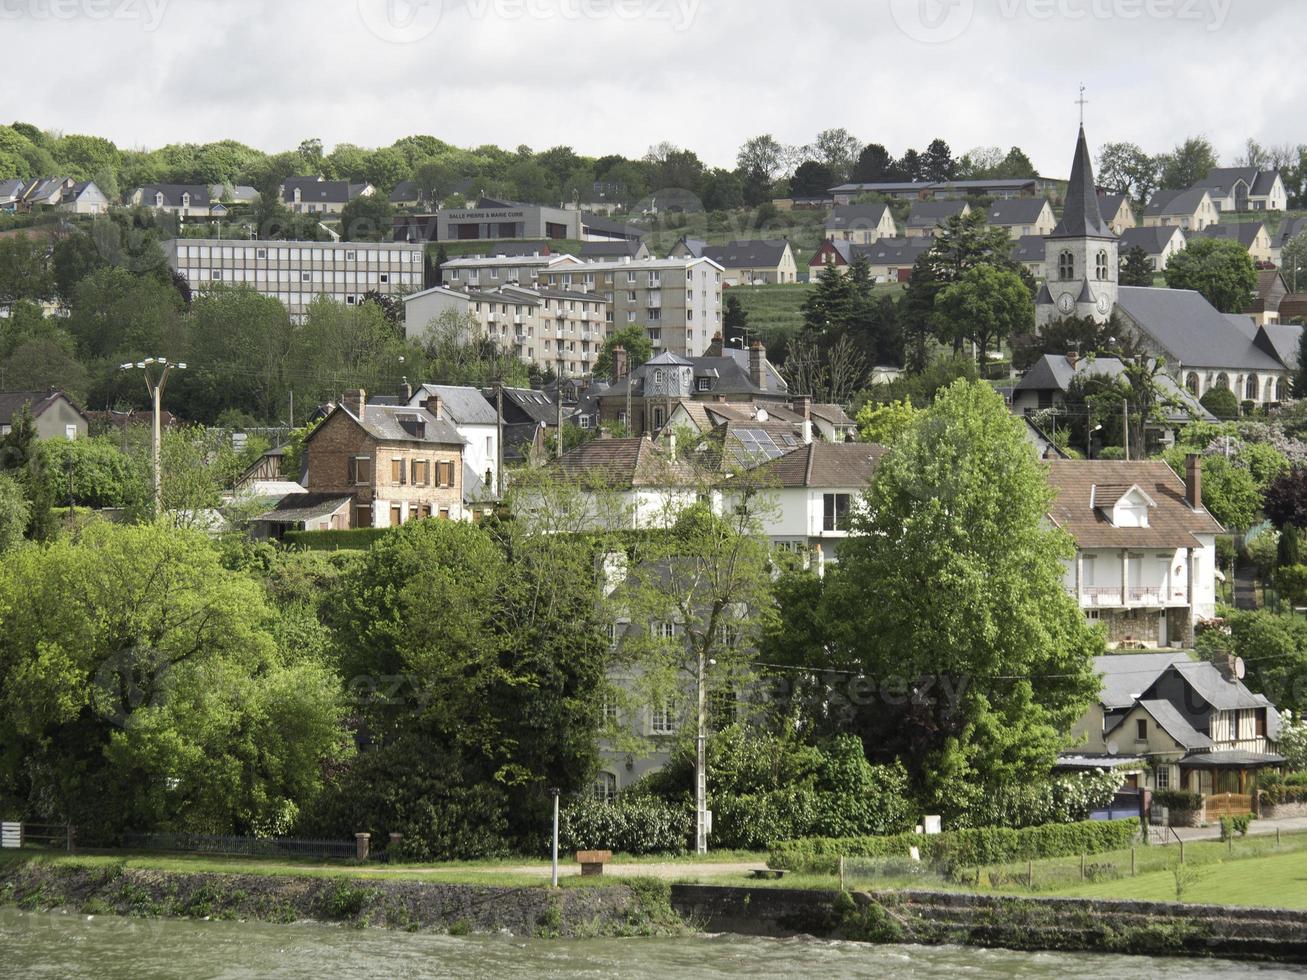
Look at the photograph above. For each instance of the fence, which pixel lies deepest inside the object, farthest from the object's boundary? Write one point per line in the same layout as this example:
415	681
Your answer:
49	835
226	846
1228	805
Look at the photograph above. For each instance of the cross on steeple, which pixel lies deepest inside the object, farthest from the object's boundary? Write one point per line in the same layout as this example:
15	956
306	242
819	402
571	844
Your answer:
1082	102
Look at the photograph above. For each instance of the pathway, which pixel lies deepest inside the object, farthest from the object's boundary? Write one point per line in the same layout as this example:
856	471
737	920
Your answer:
1258	828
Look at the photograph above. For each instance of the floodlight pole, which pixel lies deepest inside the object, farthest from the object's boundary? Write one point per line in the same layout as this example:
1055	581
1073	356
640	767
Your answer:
155	388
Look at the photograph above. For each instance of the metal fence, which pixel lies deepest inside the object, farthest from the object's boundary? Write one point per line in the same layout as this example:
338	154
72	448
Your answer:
50	835
228	846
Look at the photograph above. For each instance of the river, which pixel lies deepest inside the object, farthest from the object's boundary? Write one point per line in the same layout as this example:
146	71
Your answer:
40	945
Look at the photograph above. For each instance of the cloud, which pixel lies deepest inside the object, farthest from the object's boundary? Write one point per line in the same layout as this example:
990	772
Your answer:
619	75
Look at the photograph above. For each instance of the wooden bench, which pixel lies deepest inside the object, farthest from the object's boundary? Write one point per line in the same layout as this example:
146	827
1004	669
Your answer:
592	862
768	874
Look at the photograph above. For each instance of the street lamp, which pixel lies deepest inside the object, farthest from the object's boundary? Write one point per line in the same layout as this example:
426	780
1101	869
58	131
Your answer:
155	388
1090	447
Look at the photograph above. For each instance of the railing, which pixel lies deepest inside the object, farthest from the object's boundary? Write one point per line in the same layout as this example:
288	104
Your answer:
1228	805
1114	596
240	846
1100	596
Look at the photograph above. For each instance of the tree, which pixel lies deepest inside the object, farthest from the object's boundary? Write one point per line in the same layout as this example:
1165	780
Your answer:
722	191
1084	336
838	150
1286	504
157	695
987	305
886	423
812	179
15	513
24	271
1127	169
1229	491
1221	402
118	314
74	258
760	155
368	218
874	164
22	458
1190	162
1220	269
735	322
937	162
1137	269
634	339
950	589
1294	261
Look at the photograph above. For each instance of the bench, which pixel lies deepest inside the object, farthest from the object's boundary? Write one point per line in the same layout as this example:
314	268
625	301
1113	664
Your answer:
768	874
592	862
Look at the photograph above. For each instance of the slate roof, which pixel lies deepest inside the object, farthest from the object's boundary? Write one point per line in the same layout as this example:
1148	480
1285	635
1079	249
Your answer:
1125	678
694	246
405	191
1245	232
1210	684
610	250
538	406
845	465
172	194
727	374
297	508
1029	248
1081	217
1053	372
1151	240
1173	723
889	250
462	406
599	225
1230	760
1290	229
1174	203
11	403
1221	180
856	216
1172	524
1110	204
1017	210
622	464
745	255
1191	330
1283	341
928	214
315	191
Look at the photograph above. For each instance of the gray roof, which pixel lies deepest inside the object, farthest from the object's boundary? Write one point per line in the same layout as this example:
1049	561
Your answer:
1172	722
599	225
1127	677
1283	341
172	194
1245	232
1053	372
610	250
1230	760
12	402
857	216
1151	240
1166	203
694	246
405	191
1210	684
1030	248
462	406
886	250
927	214
1017	210
1221	180
321	191
1191	330
383	422
727	374
1081	217
537	405
1291	229
741	255
1110	204
297	508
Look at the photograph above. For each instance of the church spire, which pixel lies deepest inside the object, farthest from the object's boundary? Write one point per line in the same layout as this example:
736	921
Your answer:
1082	217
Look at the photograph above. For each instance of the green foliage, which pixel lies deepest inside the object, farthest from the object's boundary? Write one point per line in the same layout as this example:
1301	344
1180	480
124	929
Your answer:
1137	268
14	513
961	848
1230	492
1066	799
1220	269
1178	799
91	473
360	538
632	825
885	423
1221	402
986	305
632	338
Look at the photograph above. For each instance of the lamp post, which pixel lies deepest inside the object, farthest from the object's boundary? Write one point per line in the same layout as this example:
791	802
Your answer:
155	388
554	875
1090	447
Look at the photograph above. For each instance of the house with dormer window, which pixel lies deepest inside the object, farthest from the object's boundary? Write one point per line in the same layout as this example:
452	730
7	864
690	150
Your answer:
1145	564
1245	189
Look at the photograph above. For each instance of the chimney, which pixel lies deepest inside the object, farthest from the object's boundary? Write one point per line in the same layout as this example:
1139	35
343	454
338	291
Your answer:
714	348
435	405
758	365
619	363
405	392
803	407
1194	481
1072	356
353	402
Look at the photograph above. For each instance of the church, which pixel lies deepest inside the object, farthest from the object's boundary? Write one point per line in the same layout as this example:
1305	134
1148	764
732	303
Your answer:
1201	347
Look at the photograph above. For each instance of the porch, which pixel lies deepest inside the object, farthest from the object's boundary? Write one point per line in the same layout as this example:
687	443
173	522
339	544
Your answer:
1226	780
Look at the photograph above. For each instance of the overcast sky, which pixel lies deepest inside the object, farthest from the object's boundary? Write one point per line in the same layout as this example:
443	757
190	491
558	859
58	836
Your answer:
614	76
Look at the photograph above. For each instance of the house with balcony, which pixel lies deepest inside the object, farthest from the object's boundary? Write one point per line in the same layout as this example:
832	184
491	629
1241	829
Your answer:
1181	724
1145	563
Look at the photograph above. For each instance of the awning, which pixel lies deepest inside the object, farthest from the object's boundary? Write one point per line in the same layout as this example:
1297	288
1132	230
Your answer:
1231	760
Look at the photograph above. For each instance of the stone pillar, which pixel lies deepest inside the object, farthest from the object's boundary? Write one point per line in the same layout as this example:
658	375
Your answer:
361	846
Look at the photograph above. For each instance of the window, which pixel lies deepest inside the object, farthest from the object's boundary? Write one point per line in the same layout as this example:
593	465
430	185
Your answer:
1162	778
835	515
261	253
360	472
1066	266
421	472
1100	265
397	472
662	631
611	631
1141	730
70	433
396	515
444	513
605	787
703	384
662	720
363	515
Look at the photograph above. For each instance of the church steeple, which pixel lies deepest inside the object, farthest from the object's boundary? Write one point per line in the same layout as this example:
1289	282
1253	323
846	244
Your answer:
1082	217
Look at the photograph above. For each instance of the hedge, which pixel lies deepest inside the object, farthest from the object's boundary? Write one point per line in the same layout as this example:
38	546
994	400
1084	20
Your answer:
359	538
754	822
960	848
1178	799
631	825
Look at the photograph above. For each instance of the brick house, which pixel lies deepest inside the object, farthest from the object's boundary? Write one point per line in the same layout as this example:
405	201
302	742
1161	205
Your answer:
397	462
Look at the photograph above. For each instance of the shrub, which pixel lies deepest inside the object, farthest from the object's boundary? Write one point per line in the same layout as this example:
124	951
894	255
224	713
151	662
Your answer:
758	821
1221	402
356	538
1178	799
1068	799
632	825
961	848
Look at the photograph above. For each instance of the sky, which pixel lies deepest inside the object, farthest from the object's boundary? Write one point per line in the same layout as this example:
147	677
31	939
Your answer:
616	76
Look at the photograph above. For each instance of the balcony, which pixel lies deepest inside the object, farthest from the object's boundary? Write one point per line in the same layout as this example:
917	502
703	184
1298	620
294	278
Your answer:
518	320
1135	597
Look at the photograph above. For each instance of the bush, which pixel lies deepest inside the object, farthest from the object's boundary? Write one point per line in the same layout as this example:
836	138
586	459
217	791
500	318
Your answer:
1221	402
356	538
961	848
1069	799
1178	799
632	825
759	821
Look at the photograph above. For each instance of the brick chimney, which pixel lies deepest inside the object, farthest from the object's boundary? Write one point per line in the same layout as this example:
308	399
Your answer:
435	405
803	408
405	392
619	363
714	348
1194	481
1072	358
353	402
758	365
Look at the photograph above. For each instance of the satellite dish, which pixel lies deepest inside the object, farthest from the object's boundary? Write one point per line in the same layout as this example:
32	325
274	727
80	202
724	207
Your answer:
1240	669
1112	748
762	415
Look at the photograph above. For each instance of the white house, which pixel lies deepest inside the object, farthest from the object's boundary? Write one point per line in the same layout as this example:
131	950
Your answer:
475	420
1246	189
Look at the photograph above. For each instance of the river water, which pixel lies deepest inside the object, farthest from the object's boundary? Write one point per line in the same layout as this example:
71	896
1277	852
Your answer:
39	945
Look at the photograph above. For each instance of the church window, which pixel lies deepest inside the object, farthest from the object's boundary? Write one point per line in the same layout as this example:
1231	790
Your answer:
1101	265
1066	266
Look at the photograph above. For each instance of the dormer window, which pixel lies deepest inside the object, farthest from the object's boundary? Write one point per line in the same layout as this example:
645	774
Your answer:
158	199
1127	507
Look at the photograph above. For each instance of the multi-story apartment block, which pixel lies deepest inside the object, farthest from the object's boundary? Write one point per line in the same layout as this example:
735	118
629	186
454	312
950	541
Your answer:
552	328
677	301
297	273
493	220
493	271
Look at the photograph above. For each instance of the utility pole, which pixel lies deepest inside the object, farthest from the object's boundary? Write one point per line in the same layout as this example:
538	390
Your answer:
155	388
1125	426
701	761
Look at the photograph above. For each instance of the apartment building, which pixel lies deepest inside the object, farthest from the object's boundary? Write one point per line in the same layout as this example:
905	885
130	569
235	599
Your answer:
493	271
493	220
562	329
297	273
678	301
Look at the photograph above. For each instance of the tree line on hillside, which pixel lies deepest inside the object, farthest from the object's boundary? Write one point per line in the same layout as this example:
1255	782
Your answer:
1127	168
